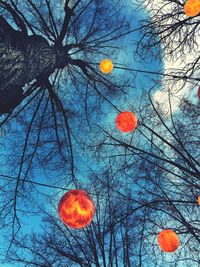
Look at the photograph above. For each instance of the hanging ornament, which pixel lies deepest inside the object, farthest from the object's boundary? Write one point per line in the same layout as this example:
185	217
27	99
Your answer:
106	66
126	121
199	93
198	200
192	8
76	209
168	241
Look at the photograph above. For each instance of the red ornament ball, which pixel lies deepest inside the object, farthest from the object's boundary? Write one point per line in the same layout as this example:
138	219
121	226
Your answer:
199	93
168	241
126	121
76	209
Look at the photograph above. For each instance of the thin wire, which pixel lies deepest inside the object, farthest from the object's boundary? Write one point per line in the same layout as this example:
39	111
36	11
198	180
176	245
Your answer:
32	182
159	73
153	72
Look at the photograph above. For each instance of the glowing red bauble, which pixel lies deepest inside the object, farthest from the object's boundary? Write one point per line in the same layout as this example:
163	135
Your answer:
168	241
126	121
76	209
199	93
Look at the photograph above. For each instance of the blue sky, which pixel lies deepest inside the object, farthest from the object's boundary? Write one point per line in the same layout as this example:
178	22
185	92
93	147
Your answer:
106	119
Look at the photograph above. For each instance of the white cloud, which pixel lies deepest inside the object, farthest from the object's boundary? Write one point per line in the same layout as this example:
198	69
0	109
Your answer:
178	89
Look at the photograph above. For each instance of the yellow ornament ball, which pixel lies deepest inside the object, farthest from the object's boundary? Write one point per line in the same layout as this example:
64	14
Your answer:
106	66
192	8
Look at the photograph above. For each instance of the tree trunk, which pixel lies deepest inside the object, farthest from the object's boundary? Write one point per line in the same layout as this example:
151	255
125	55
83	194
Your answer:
23	59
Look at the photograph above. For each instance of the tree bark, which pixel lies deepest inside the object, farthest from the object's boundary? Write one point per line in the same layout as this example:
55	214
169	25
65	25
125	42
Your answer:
23	59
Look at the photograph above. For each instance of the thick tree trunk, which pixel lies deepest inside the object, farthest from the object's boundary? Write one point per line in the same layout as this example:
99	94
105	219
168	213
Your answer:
23	59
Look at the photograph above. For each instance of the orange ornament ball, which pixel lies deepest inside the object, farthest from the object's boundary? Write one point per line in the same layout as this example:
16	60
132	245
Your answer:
106	66
192	8
126	121
76	209
198	200
168	241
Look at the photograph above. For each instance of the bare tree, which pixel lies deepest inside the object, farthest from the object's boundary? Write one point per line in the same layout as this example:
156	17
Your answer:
47	60
50	88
